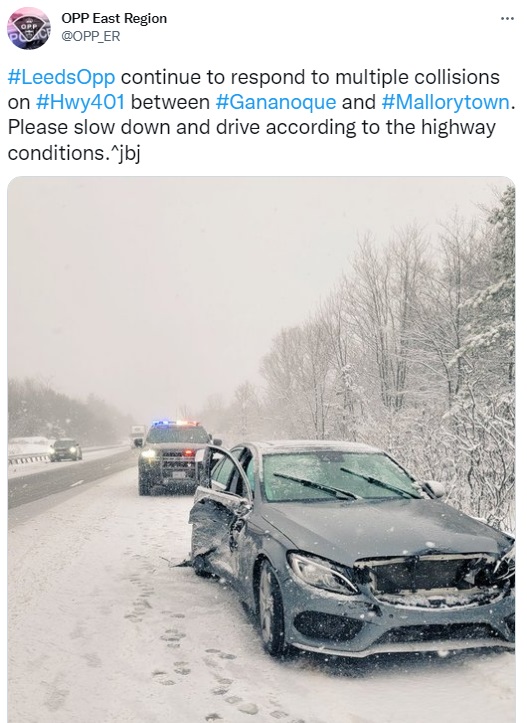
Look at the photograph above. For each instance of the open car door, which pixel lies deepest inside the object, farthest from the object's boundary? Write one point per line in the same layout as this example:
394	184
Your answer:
222	500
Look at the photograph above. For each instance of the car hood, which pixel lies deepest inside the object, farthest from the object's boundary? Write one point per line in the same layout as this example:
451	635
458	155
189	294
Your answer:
348	531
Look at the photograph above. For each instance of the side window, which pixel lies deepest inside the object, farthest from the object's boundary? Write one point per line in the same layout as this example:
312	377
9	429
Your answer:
216	469
249	471
238	484
222	473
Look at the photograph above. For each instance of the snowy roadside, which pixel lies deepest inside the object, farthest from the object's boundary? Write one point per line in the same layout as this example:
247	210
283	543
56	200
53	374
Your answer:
103	627
23	470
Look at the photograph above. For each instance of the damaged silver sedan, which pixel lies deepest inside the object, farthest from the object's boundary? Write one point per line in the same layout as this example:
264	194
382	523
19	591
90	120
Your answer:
337	549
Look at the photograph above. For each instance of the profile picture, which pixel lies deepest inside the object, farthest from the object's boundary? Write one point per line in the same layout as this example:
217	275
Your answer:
28	28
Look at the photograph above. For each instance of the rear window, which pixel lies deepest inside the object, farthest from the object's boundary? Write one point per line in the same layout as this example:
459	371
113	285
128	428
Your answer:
177	435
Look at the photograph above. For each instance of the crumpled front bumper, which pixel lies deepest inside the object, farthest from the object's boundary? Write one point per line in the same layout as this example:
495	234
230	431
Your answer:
359	626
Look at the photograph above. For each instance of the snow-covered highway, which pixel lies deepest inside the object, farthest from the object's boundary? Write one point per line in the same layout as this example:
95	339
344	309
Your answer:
104	627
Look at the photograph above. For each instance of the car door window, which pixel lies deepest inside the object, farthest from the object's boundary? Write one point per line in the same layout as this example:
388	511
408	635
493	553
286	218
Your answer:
238	484
249	470
222	473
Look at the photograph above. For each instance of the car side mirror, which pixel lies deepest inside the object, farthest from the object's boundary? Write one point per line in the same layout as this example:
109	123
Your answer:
217	442
437	489
138	442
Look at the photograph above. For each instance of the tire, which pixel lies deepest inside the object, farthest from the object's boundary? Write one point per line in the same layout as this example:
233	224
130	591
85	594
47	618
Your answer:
144	486
271	612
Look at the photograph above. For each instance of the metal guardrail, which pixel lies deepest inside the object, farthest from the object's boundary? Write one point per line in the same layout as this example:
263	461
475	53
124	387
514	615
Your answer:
26	458
42	457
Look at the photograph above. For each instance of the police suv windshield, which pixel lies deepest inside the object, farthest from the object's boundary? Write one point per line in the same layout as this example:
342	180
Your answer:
177	435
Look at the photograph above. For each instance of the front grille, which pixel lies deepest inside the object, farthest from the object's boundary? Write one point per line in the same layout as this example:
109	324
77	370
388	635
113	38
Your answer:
439	633
433	580
428	572
175	461
323	626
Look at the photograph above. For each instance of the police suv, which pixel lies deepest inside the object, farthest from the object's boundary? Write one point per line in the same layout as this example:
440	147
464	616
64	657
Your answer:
167	455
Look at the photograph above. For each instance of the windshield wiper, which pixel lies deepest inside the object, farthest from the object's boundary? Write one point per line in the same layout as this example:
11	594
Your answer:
316	485
380	483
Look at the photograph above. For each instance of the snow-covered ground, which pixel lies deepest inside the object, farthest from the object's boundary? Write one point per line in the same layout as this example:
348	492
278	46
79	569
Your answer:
19	470
103	627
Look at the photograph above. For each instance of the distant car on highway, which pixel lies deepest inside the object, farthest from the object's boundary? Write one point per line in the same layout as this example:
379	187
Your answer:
167	455
338	550
137	432
65	449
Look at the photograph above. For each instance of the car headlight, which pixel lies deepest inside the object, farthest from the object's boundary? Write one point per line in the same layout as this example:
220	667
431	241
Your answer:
149	454
320	573
73	449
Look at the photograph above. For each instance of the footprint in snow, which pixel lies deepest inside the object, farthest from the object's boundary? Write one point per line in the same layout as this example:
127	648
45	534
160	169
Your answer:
170	614
221	654
172	634
93	660
181	668
160	676
224	681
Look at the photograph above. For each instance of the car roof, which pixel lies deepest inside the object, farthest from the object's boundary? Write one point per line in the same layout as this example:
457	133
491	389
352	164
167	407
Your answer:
282	446
169	423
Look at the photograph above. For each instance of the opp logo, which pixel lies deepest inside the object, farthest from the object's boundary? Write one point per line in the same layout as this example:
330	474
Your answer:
28	28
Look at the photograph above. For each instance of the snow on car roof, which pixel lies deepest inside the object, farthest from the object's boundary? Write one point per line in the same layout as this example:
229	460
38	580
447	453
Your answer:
299	445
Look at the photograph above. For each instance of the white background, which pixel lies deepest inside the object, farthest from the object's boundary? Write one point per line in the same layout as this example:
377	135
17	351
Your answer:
278	36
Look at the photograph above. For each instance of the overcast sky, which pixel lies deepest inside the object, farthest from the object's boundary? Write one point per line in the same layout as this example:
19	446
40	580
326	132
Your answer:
155	293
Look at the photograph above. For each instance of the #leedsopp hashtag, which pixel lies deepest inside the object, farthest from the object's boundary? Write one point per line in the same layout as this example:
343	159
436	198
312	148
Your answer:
14	76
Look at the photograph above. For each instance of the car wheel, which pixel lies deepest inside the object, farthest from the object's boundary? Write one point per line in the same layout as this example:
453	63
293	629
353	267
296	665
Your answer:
144	486
271	612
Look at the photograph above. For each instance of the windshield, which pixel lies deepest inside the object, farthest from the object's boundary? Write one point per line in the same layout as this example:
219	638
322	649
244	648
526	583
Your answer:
65	443
326	468
177	435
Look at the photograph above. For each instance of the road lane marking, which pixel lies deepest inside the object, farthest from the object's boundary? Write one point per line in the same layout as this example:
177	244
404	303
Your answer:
77	483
